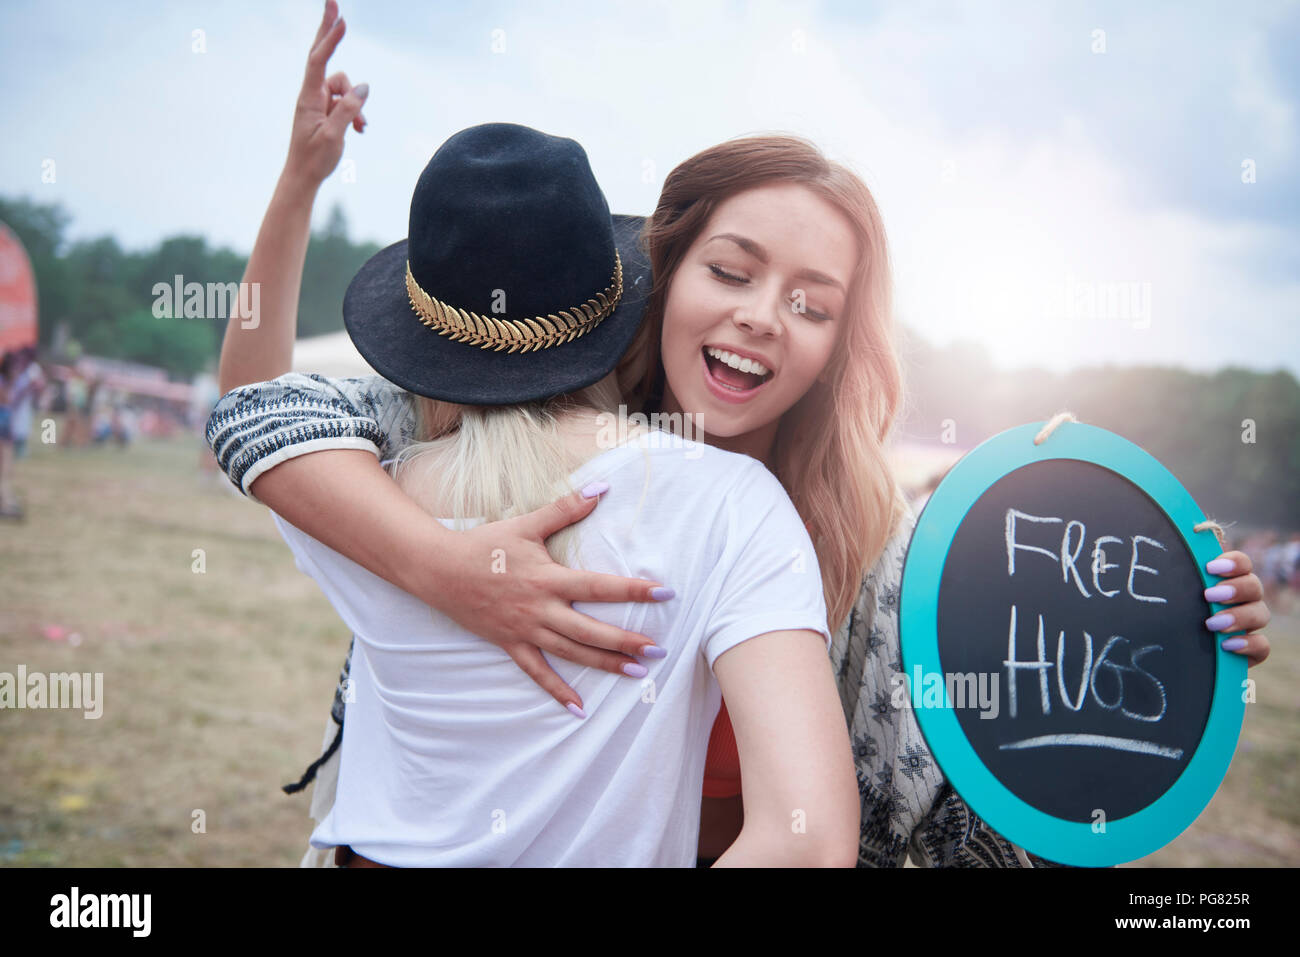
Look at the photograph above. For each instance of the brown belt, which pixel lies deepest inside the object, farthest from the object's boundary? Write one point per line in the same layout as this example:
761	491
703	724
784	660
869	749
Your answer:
346	857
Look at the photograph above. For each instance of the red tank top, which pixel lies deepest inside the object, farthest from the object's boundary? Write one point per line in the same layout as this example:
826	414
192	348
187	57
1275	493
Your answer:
722	765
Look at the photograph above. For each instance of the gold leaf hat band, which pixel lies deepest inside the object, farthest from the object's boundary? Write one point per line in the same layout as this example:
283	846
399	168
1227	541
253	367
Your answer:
522	335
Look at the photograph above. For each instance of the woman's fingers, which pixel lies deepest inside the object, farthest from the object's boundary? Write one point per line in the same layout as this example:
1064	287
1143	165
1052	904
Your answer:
1233	591
1243	592
331	11
338	85
542	523
1249	616
597	586
580	654
325	107
530	660
598	634
321	52
1254	647
347	110
1230	564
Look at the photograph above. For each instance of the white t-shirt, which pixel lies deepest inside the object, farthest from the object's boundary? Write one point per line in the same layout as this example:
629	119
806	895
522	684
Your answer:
453	757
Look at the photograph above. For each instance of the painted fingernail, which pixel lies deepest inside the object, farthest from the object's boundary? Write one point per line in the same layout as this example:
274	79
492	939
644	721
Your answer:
1220	566
634	670
1220	622
594	489
362	90
1220	593
654	651
1233	644
662	593
575	710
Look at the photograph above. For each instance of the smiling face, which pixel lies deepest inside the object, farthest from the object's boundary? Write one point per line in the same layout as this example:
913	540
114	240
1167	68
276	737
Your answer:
765	282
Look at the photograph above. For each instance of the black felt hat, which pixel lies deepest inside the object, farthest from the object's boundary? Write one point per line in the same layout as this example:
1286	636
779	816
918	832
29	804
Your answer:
520	284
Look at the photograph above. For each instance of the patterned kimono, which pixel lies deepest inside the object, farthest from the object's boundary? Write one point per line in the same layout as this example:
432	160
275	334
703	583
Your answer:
908	808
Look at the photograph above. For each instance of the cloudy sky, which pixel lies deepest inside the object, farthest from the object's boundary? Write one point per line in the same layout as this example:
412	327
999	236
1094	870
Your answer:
1065	183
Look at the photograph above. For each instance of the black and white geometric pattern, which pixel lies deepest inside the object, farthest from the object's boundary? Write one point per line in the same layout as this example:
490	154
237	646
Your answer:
908	807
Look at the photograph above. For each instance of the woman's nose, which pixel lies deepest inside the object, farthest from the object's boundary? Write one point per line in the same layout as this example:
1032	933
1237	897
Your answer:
764	317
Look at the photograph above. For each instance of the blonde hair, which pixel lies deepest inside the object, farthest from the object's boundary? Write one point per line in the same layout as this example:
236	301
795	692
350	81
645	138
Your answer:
497	461
839	479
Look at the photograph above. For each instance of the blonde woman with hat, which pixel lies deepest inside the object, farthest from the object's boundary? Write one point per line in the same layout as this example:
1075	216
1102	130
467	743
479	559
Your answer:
453	756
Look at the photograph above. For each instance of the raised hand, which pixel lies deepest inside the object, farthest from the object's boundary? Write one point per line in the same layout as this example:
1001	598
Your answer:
259	350
325	108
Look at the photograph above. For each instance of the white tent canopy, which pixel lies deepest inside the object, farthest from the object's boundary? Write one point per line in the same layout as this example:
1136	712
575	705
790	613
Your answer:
331	355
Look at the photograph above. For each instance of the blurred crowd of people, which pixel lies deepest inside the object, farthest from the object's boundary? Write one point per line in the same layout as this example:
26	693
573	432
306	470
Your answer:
21	385
1277	563
92	413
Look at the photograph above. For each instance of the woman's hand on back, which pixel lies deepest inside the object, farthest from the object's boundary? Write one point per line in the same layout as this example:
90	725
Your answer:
495	580
503	585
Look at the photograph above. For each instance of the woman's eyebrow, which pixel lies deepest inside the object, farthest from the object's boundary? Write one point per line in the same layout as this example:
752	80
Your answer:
759	253
745	243
813	275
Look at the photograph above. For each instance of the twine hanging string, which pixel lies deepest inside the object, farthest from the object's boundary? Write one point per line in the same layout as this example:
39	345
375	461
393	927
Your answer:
1216	528
1050	427
1208	524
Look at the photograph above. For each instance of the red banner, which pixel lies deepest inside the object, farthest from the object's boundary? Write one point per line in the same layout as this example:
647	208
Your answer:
17	294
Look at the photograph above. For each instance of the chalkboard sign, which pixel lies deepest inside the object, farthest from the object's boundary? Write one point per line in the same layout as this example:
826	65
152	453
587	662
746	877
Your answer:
1054	645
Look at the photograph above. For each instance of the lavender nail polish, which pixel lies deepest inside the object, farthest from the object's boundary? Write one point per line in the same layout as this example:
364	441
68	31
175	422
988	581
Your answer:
1233	644
662	593
1220	593
653	651
1220	566
594	489
1220	622
575	710
634	670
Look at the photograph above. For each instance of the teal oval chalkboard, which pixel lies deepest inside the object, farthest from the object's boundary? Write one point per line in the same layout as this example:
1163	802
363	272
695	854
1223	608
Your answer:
1053	638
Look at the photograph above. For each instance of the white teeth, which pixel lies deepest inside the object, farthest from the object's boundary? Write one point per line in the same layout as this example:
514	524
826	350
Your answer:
736	362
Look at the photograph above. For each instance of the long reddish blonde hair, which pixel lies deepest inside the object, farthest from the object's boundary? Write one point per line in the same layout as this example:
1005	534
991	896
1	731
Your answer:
839	478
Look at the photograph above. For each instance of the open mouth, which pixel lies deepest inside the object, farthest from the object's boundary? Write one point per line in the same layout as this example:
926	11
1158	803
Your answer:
733	373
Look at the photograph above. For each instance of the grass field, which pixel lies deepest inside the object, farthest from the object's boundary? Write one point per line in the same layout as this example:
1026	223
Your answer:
217	682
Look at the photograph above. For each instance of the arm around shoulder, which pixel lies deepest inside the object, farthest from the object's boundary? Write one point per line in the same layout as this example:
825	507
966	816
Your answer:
254	428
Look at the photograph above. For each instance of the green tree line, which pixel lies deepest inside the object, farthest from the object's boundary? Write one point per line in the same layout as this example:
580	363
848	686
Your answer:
103	295
1231	436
